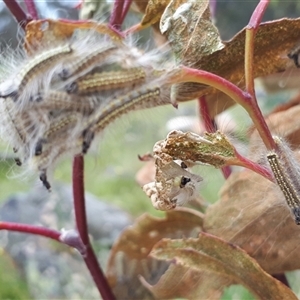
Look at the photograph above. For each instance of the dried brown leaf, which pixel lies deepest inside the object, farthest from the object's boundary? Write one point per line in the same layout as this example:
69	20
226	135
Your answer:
48	31
182	282
190	31
213	148
129	256
252	212
153	11
214	255
273	42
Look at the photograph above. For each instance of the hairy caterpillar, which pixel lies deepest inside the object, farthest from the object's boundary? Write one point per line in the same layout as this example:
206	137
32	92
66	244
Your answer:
83	64
62	96
106	80
116	108
286	173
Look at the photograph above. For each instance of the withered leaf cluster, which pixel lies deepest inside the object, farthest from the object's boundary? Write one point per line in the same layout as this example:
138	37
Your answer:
248	233
196	43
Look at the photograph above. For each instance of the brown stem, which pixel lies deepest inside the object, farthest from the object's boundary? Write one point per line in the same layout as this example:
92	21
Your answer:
82	227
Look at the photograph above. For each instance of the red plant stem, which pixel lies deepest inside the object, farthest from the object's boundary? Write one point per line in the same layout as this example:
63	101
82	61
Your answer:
208	122
210	126
26	228
251	30
258	13
82	227
186	74
17	12
125	9
116	14
31	9
247	163
253	108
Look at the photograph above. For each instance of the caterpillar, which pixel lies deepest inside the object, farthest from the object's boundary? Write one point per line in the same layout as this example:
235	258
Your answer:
57	99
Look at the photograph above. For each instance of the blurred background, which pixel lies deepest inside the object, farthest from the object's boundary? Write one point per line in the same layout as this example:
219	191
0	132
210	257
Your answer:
36	268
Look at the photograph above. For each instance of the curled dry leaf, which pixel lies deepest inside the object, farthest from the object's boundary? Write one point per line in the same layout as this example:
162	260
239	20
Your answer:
174	185
213	148
214	255
129	256
48	31
184	282
252	212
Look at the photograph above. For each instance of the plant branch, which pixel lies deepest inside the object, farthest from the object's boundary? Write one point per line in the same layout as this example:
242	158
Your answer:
251	30
125	9
31	9
257	168
185	74
208	122
210	126
82	227
18	12
31	229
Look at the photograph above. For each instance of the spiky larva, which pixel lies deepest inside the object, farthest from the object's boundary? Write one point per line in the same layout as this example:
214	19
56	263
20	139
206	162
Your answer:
69	93
43	162
116	108
286	172
98	82
58	128
87	61
62	101
32	70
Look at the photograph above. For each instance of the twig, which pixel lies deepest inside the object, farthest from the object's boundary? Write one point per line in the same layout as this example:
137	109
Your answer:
210	126
82	227
125	9
116	14
18	12
31	9
251	30
241	97
26	228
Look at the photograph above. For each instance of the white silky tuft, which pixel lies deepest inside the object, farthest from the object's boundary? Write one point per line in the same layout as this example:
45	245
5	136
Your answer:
54	101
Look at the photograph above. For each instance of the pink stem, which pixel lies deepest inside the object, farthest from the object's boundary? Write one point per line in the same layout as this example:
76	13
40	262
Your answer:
26	228
31	9
247	163
17	12
210	126
208	122
258	13
245	99
116	15
81	222
125	9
